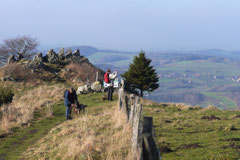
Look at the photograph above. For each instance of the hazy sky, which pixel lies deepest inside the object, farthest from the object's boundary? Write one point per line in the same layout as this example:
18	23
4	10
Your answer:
125	24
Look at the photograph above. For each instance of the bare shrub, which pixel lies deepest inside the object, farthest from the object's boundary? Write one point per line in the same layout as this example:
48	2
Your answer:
24	45
21	110
85	71
19	73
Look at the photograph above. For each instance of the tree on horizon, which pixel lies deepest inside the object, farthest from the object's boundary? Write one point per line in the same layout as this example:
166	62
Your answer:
141	74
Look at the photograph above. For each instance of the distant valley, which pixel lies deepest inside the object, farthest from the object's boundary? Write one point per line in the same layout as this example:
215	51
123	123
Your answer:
208	77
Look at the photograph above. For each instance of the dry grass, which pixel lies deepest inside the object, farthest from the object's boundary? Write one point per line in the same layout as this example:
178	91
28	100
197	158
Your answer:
84	71
21	110
104	135
19	73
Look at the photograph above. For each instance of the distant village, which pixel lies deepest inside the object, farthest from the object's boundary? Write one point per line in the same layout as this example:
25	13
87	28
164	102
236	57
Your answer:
179	76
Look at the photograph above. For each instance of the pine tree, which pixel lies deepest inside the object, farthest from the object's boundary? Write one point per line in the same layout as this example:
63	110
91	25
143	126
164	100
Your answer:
141	74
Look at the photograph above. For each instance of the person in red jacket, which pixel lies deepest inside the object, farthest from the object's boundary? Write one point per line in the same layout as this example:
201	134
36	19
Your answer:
109	78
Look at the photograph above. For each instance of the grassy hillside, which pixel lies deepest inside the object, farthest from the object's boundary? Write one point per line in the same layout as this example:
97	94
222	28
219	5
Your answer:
99	133
185	133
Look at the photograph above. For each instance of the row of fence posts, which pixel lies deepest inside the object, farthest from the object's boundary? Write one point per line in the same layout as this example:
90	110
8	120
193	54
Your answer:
143	144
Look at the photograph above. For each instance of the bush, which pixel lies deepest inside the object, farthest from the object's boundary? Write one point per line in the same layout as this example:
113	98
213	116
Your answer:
6	95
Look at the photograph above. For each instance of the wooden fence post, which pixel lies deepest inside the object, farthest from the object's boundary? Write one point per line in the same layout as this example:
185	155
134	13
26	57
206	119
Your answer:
150	150
132	110
137	138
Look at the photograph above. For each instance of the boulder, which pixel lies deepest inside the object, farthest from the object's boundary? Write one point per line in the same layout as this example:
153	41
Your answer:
11	59
69	53
76	53
83	89
38	57
20	56
96	87
52	57
37	62
61	55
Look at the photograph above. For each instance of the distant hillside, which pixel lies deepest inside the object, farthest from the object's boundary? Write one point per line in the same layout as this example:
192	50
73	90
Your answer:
85	50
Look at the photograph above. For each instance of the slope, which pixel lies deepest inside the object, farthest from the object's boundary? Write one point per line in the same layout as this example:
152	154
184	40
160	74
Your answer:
186	133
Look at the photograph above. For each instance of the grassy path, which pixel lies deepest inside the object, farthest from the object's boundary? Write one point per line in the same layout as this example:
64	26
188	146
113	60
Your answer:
13	145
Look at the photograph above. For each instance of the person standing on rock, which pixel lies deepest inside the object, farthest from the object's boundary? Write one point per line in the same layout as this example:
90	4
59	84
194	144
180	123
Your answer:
70	97
109	79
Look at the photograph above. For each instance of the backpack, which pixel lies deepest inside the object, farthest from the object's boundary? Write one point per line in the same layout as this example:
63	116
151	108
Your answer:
106	78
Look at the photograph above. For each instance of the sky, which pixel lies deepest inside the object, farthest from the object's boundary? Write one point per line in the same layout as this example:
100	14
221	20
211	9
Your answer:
131	25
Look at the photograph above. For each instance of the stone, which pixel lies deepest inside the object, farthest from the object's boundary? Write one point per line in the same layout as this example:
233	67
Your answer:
83	89
38	57
52	57
76	53
61	54
69	53
79	60
11	59
37	62
96	86
20	56
7	78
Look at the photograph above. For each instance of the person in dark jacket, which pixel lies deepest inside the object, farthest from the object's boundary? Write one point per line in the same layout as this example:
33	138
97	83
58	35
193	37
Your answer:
70	97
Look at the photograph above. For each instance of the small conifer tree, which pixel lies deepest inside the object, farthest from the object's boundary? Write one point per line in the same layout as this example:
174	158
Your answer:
141	74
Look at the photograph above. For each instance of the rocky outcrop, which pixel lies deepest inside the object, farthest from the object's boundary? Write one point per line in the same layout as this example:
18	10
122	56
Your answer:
20	56
96	87
37	62
69	53
11	59
52	57
83	89
61	55
76	53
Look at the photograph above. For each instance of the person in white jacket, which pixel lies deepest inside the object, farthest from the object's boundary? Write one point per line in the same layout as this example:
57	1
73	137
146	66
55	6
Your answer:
109	79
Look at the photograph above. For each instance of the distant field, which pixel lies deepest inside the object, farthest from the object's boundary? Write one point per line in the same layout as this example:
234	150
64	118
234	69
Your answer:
222	99
202	67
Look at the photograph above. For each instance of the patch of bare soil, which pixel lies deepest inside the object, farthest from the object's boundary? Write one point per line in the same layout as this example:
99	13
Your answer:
190	146
233	139
232	145
210	118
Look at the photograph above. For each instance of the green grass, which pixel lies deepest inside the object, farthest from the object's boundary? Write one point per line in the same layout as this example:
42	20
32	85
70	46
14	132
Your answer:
202	67
13	145
222	99
176	128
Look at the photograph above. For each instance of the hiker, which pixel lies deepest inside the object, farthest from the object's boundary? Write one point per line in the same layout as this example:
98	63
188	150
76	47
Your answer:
70	97
109	78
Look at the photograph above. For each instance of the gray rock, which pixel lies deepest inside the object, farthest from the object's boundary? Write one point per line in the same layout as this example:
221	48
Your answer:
76	53
20	56
38	57
96	87
11	59
61	55
37	62
7	78
83	89
52	57
69	53
80	60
